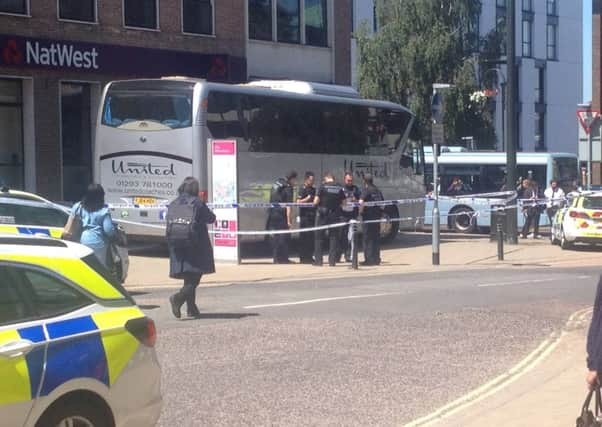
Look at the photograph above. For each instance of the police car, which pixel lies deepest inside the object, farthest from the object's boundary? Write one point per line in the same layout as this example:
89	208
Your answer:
579	222
29	214
74	348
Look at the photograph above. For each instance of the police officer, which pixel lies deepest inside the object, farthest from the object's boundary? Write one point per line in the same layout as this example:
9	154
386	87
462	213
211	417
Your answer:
370	213
352	196
329	200
281	218
307	194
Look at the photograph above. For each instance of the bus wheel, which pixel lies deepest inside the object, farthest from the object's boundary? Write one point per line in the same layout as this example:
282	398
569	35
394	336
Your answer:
463	220
389	230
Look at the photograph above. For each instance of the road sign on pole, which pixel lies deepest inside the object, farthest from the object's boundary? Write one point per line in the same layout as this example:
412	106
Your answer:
438	134
588	118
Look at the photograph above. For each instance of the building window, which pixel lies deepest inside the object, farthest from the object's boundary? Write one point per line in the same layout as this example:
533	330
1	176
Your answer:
260	19
552	42
527	37
197	16
78	10
540	128
374	18
500	3
288	23
552	7
76	136
316	23
140	13
527	6
11	133
18	7
500	26
540	97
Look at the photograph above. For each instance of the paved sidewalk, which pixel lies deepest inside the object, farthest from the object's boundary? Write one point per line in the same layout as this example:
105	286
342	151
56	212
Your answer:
411	253
550	394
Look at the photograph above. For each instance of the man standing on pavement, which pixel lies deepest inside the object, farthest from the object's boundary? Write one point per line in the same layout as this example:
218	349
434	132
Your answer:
371	213
328	201
352	196
554	199
528	197
280	218
307	216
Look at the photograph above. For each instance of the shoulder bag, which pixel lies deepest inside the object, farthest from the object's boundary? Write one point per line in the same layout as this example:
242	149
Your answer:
74	227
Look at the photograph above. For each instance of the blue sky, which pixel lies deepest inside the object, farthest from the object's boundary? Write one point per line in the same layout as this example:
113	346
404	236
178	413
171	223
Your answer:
587	50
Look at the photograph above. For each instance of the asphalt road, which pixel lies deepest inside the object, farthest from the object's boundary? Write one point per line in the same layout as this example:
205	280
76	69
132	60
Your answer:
372	351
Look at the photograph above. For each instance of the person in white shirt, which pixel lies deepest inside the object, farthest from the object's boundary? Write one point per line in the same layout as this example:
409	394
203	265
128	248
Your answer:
554	199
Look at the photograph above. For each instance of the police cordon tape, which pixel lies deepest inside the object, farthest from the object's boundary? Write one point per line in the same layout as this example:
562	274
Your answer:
267	205
310	229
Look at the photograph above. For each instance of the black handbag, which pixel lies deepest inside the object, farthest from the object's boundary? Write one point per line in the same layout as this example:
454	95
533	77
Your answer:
589	418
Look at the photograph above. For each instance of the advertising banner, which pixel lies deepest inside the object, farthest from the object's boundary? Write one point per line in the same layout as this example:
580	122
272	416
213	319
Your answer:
224	190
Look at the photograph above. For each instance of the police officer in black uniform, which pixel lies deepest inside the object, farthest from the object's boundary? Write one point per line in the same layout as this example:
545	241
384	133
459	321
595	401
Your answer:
349	212
281	218
369	213
307	216
329	200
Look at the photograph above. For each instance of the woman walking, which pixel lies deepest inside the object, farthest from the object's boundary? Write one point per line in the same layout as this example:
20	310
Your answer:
190	251
97	224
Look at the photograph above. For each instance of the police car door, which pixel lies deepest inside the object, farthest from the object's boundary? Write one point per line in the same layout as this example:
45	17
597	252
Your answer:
22	351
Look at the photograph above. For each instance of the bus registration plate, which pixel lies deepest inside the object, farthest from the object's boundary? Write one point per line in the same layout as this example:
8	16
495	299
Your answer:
145	200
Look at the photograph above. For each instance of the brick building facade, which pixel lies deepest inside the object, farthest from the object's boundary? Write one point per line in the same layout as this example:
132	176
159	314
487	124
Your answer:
56	55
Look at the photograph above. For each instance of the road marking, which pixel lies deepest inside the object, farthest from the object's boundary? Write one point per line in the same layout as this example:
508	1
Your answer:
311	301
584	277
502	381
522	282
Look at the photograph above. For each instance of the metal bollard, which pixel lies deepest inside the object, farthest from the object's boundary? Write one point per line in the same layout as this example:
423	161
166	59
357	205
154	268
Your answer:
500	242
354	250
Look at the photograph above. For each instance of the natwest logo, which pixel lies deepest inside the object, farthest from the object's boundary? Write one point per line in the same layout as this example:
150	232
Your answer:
11	55
61	55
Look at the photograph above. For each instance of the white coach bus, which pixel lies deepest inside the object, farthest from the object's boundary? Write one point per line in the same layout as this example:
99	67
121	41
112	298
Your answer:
153	133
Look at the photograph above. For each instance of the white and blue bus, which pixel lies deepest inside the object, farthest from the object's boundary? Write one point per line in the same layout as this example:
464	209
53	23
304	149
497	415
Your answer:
153	133
485	173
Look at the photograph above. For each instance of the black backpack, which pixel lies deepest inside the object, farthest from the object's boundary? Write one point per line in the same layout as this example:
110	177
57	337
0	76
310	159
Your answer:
182	226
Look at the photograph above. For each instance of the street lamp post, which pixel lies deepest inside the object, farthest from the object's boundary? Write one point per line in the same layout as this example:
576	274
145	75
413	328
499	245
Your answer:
437	112
511	131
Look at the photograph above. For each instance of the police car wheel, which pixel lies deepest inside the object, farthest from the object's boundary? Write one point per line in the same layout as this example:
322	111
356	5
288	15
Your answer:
75	413
564	243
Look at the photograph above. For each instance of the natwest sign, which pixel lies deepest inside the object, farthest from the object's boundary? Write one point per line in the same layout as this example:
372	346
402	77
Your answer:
61	55
28	52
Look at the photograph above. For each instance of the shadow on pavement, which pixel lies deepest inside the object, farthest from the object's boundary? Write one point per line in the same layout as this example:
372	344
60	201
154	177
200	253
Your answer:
148	306
221	316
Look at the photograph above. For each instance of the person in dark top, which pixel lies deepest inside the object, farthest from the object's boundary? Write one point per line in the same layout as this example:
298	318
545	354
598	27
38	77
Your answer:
307	217
329	199
370	213
190	263
349	212
531	210
280	218
594	341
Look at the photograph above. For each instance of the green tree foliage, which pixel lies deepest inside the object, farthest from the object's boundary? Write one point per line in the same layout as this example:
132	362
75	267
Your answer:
420	42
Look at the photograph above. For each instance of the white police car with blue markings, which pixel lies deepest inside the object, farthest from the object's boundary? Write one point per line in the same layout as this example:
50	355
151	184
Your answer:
74	348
